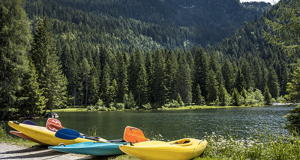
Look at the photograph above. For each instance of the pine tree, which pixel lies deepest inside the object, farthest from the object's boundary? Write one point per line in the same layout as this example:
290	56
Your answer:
213	63
14	46
132	76
212	87
247	74
228	75
184	82
122	81
86	70
105	84
179	100
286	25
149	72
141	81
201	72
159	88
32	92
113	92
50	76
273	84
236	98
224	97
171	75
198	98
240	81
131	101
267	96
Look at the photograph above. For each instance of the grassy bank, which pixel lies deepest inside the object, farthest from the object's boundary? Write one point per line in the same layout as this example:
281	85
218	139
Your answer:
12	140
264	146
164	108
203	107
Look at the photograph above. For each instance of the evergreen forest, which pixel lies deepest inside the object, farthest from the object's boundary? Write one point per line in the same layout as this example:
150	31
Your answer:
137	54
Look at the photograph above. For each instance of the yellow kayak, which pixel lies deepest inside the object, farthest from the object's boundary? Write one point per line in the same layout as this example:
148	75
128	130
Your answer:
182	149
42	134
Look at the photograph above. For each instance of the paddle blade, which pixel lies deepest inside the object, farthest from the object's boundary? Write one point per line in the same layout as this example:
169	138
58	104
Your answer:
53	124
68	134
134	135
30	123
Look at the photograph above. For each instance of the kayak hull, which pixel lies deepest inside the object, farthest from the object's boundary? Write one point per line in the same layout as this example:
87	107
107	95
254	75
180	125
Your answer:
42	134
20	134
182	149
90	148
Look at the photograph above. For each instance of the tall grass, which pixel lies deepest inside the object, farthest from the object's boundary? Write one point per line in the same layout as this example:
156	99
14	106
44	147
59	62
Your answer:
14	140
264	146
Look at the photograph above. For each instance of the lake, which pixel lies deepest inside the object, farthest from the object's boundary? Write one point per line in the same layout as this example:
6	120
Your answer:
176	124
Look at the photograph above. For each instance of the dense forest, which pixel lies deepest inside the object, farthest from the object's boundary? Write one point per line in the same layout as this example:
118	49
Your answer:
130	24
137	54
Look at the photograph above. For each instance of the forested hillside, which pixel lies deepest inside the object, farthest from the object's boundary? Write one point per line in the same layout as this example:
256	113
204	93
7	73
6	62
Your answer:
93	53
132	24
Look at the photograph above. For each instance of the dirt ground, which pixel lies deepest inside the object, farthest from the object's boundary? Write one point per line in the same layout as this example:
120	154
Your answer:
9	151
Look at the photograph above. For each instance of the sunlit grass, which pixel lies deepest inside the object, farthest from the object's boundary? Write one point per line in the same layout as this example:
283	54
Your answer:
264	146
70	110
4	138
201	107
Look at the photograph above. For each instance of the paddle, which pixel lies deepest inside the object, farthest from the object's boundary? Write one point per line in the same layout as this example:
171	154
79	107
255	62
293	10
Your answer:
70	134
134	135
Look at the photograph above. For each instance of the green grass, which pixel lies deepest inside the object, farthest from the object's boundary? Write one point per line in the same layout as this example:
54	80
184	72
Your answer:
265	146
202	107
12	140
70	110
181	108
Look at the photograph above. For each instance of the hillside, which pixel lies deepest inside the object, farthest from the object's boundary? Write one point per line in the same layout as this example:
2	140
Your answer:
126	24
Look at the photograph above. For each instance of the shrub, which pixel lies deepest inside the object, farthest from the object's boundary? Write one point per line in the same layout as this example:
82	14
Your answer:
119	106
172	104
89	108
113	109
147	106
99	105
103	108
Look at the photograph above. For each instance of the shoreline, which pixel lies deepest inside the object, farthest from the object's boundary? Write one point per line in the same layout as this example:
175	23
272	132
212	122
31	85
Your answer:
71	109
37	152
13	151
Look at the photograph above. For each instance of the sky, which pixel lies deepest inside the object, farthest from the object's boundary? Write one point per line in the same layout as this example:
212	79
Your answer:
267	1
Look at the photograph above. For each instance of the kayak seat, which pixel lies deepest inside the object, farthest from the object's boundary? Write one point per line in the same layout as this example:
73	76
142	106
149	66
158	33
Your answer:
182	142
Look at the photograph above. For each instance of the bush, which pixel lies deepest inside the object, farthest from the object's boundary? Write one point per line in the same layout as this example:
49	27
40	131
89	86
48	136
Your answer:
89	108
119	106
99	105
103	108
147	106
113	109
273	100
172	104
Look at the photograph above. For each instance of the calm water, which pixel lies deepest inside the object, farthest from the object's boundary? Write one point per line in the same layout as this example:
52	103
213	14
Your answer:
176	124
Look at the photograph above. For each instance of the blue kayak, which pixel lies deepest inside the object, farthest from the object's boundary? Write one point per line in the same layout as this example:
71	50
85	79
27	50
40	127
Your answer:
90	148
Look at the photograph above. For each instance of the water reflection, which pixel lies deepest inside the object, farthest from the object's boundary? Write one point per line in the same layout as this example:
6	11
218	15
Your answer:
176	124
